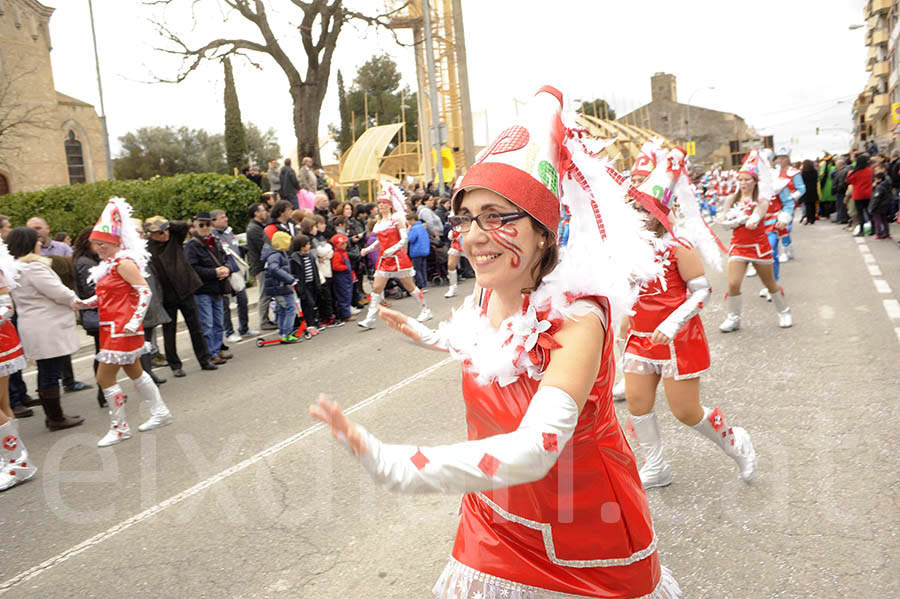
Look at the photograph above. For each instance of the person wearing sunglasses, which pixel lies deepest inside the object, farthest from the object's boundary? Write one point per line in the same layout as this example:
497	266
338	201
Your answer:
553	504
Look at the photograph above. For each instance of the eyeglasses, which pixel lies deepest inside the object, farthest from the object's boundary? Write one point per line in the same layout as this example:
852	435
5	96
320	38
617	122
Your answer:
203	225
487	221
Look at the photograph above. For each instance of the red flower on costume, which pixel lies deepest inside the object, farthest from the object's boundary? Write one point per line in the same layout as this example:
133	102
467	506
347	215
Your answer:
10	443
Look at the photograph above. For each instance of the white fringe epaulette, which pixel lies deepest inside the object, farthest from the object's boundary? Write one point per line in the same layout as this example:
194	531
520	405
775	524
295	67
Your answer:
139	257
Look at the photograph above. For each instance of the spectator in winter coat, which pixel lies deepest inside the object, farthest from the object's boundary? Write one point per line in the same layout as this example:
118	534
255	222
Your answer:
256	241
839	189
207	257
305	269
179	281
432	221
419	248
225	236
342	274
323	252
880	204
280	220
279	282
274	179
289	183
861	180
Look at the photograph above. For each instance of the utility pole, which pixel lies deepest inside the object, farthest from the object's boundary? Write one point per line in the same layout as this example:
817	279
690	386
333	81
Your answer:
432	91
109	167
465	104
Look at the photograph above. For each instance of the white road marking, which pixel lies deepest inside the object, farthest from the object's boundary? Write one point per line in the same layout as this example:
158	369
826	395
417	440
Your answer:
859	240
874	270
882	286
863	249
202	485
892	307
868	258
826	312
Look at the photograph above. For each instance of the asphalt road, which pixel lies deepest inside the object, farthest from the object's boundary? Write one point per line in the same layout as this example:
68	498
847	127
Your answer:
243	496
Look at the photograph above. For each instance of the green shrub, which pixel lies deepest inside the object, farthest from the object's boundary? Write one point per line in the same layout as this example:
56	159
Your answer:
70	208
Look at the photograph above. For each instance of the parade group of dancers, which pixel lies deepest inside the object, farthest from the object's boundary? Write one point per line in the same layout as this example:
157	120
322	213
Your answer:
568	256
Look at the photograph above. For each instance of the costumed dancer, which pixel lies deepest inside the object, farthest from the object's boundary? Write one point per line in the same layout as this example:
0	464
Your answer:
15	466
122	299
453	256
553	506
651	152
394	262
666	338
744	212
780	216
790	188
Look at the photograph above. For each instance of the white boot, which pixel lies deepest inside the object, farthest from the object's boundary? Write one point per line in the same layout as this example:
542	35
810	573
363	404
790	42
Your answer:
454	279
733	321
118	427
369	321
789	251
619	390
784	312
16	466
734	441
751	270
655	472
424	314
783	255
160	415
764	293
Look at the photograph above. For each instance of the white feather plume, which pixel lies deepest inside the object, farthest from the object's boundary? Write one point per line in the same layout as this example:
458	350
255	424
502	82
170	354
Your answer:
133	246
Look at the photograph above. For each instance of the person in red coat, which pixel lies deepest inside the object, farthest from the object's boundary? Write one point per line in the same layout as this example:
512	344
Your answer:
665	338
122	298
553	505
861	178
342	277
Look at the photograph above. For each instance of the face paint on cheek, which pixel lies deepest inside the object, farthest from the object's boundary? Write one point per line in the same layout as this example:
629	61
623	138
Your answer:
504	238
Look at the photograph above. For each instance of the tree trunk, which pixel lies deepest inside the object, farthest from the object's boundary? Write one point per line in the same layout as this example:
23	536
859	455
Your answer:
307	99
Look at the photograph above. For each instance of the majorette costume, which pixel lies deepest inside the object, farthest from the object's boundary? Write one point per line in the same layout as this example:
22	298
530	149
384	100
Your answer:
790	188
452	274
752	245
672	306
121	307
530	452
394	262
15	467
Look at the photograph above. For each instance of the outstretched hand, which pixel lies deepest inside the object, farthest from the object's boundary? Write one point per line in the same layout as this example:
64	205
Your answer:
330	413
399	321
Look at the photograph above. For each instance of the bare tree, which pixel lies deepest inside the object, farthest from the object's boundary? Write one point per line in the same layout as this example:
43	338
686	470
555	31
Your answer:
18	118
320	25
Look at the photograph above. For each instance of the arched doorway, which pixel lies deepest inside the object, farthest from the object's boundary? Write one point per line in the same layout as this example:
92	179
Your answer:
74	159
4	185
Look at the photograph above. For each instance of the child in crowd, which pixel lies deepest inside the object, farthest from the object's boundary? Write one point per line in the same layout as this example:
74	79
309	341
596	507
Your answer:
278	284
305	269
342	278
324	252
419	248
371	257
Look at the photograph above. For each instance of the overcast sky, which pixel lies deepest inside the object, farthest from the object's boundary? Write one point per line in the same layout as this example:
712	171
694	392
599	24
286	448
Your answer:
786	67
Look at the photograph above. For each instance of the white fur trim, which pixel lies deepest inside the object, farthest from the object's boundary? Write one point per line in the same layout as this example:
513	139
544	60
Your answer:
108	356
12	366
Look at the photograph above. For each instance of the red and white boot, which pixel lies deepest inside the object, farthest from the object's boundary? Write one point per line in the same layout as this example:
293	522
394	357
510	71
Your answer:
734	441
16	468
118	427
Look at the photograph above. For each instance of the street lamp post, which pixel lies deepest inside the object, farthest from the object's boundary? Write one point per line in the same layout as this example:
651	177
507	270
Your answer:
688	119
109	168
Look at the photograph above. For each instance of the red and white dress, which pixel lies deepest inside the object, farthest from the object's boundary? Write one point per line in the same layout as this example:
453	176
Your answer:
750	245
12	357
117	301
455	244
684	357
397	266
584	530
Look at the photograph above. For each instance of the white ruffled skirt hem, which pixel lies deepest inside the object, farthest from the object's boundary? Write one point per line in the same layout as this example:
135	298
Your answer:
109	356
459	581
403	273
13	366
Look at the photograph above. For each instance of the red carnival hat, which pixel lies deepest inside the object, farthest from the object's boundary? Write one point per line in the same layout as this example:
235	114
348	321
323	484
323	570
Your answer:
522	164
646	159
751	165
109	225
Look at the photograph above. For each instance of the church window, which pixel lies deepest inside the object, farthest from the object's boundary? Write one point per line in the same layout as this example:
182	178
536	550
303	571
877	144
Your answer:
4	185
74	159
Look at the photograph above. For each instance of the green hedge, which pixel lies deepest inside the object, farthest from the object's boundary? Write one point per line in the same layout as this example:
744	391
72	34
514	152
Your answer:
70	208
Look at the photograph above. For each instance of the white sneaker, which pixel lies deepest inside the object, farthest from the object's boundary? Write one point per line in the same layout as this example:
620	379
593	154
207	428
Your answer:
764	293
656	477
234	338
744	454
116	434
784	319
354	311
251	333
156	421
751	270
451	292
783	257
731	323
619	391
424	315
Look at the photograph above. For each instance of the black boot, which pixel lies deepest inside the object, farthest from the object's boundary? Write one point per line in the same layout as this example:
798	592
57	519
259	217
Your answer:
55	419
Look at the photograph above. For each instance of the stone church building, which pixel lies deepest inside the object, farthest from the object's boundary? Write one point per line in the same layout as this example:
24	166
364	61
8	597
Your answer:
52	139
720	137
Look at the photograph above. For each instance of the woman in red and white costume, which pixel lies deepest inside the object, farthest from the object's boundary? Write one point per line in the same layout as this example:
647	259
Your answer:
453	255
122	299
394	262
553	506
743	212
665	339
15	467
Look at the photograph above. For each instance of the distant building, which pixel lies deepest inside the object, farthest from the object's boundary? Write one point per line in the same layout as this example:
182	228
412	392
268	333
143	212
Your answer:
872	115
61	141
719	137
